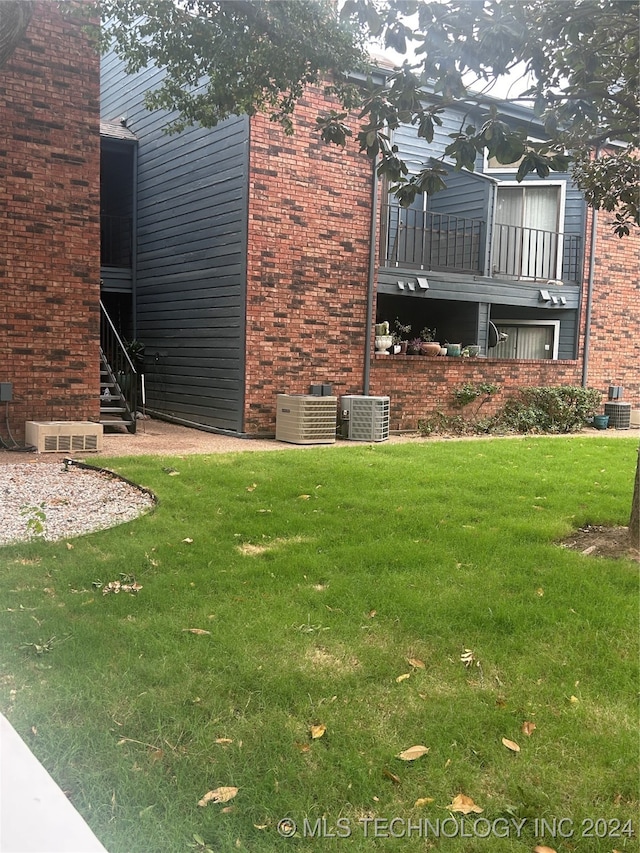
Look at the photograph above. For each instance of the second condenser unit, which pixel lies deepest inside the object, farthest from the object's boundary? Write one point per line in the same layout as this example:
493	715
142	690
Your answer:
364	418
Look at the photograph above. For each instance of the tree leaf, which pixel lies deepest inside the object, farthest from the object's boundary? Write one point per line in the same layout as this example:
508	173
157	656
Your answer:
389	775
224	740
416	663
422	801
317	731
219	795
540	848
528	728
198	631
510	744
413	753
464	804
403	677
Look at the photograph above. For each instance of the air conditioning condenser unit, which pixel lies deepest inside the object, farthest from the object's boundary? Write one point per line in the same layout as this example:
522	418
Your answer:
365	418
63	436
306	419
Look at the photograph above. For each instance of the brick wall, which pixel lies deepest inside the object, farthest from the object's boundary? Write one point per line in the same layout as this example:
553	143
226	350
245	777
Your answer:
49	205
419	386
614	352
307	265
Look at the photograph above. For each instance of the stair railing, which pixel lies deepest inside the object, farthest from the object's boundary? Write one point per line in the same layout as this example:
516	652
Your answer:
119	360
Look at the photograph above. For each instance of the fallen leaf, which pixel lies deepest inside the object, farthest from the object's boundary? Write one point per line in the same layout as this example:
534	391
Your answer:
510	744
220	795
188	540
224	740
304	497
528	728
423	801
371	614
464	804
574	700
34	730
540	591
416	663
252	487
389	775
196	631
260	825
303	747
317	731
156	755
413	753
403	677
540	848
227	809
69	546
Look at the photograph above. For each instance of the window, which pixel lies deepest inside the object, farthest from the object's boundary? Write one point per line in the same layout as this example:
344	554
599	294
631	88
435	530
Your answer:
527	237
528	339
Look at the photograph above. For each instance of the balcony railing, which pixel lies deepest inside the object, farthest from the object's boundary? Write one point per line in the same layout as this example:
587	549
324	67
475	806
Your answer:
534	254
432	241
115	241
426	240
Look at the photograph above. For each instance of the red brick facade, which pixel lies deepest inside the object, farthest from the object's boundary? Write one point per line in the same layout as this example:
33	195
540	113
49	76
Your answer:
49	203
614	340
309	237
307	265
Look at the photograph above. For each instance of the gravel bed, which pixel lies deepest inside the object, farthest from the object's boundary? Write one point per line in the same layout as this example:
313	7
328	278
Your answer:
59	501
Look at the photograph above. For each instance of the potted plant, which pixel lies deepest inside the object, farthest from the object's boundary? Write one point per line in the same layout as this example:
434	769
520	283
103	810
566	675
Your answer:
470	351
414	346
383	339
400	336
454	349
430	346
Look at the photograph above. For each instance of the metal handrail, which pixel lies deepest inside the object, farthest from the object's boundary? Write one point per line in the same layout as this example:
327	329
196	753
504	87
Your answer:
429	240
124	371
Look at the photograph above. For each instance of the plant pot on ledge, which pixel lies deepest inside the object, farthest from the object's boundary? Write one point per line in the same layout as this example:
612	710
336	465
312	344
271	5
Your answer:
430	348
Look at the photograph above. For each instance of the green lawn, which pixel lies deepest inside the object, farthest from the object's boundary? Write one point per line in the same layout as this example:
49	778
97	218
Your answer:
396	595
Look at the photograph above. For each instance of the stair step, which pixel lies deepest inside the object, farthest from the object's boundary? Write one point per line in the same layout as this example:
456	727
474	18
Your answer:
113	410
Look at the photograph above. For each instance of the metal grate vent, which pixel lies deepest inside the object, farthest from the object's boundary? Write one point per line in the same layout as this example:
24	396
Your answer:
306	419
63	436
367	418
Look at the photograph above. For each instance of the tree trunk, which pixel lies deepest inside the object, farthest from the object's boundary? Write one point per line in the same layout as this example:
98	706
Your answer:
14	20
634	521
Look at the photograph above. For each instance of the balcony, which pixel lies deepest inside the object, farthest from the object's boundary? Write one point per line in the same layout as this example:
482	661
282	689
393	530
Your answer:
427	240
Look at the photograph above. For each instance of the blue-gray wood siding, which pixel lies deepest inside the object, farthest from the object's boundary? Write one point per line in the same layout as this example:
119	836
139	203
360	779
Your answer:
191	256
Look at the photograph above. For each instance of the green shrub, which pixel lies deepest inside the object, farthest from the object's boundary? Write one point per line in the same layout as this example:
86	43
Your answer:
555	409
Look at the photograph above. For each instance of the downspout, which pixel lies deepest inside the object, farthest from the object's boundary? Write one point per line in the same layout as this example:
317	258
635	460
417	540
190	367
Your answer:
373	232
587	319
134	243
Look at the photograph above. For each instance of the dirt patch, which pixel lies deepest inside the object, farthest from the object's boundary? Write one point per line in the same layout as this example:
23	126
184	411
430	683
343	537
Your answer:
597	541
250	550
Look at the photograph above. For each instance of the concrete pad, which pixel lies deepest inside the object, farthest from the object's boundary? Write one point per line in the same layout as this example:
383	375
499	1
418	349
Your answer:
35	816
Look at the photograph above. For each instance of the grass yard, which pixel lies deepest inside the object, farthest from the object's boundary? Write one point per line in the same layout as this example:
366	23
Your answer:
378	597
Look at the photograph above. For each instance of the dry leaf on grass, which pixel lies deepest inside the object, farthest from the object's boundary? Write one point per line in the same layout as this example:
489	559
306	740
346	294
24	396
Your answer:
198	631
220	795
540	848
510	744
416	663
304	497
403	677
252	487
528	728
394	778
188	540
422	801
224	740
464	804
413	753
317	731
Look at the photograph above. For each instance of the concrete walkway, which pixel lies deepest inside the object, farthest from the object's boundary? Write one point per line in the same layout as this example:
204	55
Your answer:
35	816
